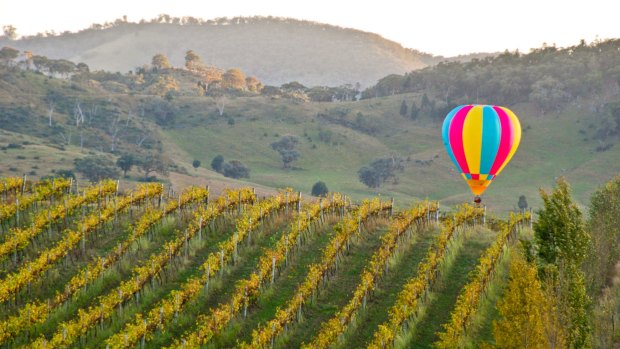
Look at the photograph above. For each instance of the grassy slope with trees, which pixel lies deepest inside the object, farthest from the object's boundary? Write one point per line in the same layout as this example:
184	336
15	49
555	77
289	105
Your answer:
185	114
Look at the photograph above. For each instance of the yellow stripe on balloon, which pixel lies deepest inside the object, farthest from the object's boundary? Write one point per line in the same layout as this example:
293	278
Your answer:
516	125
472	138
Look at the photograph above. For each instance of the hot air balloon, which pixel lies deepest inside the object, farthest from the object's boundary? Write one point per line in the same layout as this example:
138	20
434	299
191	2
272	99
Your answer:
481	140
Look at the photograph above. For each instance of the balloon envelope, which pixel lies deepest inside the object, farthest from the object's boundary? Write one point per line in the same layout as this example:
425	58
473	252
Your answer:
481	140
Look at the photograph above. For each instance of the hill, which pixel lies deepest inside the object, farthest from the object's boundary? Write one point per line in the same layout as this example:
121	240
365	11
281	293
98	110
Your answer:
107	114
275	50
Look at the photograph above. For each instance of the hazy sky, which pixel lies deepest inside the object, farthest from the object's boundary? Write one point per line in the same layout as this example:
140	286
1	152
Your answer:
445	27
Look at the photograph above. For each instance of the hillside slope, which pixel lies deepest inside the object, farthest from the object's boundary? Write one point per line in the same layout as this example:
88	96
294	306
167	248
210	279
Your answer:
124	114
274	50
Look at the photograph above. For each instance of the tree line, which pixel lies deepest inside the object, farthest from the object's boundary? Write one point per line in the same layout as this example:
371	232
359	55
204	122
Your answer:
560	292
550	77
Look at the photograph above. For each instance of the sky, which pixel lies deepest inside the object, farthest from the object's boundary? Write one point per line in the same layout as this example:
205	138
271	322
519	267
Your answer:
439	27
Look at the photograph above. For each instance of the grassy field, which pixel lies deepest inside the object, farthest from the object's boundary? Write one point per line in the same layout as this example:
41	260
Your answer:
335	140
551	146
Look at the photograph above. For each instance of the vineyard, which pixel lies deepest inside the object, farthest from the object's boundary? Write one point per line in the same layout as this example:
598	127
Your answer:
100	267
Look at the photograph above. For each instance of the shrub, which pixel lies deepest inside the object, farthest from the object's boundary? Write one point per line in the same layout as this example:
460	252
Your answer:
236	169
217	163
319	189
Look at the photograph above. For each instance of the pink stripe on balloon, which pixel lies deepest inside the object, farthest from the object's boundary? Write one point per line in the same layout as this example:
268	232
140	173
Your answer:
456	137
506	140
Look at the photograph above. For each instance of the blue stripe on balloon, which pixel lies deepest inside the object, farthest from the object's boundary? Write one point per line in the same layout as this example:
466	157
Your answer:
445	132
491	134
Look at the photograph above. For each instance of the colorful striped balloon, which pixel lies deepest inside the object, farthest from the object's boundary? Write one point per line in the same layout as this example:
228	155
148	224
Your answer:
481	140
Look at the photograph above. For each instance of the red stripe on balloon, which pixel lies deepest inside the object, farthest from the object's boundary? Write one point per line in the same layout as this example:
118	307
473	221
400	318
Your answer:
456	137
506	140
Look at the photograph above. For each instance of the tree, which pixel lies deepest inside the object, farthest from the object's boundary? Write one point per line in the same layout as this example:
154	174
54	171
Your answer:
403	108
153	162
125	162
95	168
253	84
83	67
414	111
369	177
293	86
160	62
604	227
217	163
10	32
196	163
7	54
319	189
286	148
236	169
233	79
380	170
563	244
426	105
192	60
549	93
522	309
522	203
560	230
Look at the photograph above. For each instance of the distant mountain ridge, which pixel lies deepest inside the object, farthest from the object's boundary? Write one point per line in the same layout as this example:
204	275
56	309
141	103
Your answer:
276	50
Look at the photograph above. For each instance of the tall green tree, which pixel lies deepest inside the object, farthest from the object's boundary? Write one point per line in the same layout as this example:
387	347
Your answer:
403	109
563	243
560	230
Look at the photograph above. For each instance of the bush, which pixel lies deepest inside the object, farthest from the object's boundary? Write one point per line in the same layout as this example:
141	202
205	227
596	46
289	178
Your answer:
196	163
380	170
319	189
96	168
286	148
236	169
217	163
14	146
65	174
